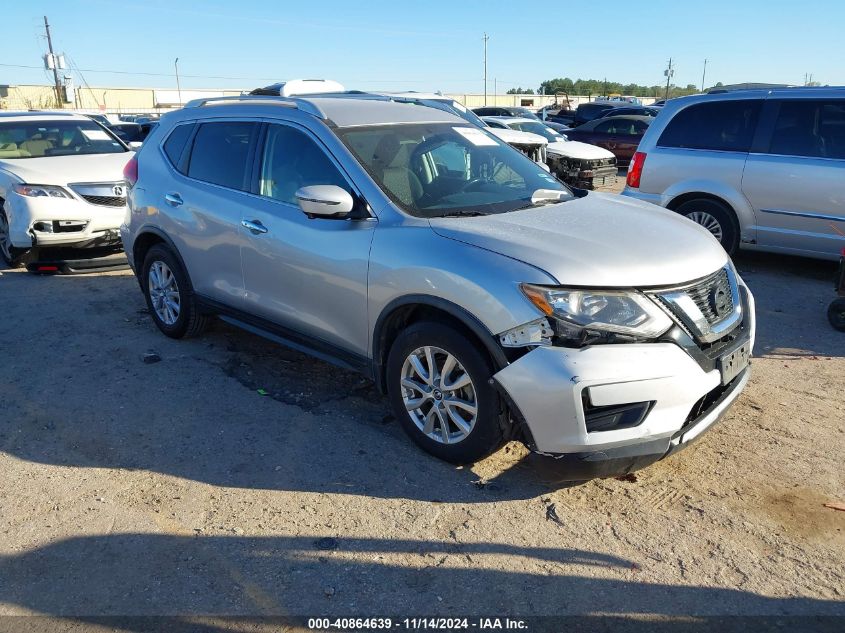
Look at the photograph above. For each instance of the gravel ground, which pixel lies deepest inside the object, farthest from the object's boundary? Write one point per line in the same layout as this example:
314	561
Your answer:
177	488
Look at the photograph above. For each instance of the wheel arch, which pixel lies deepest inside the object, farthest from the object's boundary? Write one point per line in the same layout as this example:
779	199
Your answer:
404	311
144	241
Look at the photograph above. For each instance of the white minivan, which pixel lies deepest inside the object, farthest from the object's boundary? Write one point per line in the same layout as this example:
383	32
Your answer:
759	169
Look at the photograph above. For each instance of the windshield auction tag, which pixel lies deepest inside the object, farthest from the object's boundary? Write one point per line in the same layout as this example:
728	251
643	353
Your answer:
96	135
475	136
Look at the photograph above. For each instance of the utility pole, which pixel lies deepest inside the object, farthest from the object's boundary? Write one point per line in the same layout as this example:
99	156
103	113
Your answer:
703	75
55	64
668	72
486	37
178	87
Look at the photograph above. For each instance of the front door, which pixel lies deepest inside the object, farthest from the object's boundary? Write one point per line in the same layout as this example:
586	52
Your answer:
308	275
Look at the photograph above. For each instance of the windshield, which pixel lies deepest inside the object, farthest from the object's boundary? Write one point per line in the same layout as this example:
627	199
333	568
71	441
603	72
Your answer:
535	127
438	169
37	139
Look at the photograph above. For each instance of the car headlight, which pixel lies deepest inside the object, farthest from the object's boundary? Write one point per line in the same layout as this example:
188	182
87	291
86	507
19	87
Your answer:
41	191
584	314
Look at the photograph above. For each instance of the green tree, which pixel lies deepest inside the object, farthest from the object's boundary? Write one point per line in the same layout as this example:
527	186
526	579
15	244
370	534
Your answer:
520	91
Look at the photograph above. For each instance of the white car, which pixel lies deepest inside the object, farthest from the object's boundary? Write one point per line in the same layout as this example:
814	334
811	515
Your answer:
577	164
61	183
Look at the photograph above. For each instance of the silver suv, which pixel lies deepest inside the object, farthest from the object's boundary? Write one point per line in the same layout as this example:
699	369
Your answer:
761	169
486	299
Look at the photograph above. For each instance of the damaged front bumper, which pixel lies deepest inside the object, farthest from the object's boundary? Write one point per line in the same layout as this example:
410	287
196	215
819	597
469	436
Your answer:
583	173
47	222
611	409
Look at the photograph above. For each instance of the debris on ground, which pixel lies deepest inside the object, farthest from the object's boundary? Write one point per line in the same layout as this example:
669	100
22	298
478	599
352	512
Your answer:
551	514
150	357
835	506
630	478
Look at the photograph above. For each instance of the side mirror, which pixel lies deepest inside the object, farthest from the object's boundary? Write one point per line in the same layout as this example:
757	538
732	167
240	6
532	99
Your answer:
324	201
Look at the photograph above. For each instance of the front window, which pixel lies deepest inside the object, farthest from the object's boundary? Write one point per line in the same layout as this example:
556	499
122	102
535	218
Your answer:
439	169
37	139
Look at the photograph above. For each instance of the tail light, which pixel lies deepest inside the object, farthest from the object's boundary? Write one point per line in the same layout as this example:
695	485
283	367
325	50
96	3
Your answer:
130	172
635	170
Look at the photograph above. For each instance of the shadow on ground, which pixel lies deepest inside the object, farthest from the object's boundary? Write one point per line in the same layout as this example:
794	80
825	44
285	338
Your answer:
146	574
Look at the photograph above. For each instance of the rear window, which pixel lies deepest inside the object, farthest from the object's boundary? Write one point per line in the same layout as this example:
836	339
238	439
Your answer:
175	143
220	151
721	125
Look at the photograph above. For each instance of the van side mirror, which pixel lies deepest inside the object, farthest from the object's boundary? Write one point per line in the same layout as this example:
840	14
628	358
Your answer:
324	201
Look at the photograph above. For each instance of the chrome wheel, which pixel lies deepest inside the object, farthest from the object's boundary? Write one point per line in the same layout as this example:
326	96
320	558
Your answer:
164	293
708	221
439	395
5	238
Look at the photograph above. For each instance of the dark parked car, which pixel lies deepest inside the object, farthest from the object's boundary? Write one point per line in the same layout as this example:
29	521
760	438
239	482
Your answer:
635	110
525	113
619	134
593	110
128	132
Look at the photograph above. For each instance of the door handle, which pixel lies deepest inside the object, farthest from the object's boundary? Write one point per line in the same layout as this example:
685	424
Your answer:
173	199
255	227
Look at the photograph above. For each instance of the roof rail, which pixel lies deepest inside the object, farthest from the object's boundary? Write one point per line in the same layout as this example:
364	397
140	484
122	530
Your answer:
292	102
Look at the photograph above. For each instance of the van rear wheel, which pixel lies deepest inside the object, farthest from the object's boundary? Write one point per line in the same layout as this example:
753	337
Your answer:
716	217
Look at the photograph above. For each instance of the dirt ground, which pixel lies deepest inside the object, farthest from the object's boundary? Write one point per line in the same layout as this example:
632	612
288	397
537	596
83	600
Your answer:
177	488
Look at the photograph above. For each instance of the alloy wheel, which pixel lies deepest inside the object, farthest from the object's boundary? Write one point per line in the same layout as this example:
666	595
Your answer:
708	221
439	395
164	293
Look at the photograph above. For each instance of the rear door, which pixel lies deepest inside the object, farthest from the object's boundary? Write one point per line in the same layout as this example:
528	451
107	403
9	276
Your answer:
206	202
795	176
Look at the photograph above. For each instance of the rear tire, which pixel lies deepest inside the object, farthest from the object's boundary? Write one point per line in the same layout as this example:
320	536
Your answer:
716	217
458	413
170	296
836	314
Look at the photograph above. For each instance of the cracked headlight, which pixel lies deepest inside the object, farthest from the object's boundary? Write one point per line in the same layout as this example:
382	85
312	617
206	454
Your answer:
581	312
41	191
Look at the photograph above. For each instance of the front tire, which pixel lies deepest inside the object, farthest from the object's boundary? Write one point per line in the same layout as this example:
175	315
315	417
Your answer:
716	217
13	256
170	296
438	386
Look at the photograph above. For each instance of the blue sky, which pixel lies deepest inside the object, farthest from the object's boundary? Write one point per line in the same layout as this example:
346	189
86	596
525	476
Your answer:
432	45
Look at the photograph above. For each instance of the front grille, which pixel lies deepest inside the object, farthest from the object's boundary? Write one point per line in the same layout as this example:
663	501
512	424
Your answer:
706	310
702	294
106	201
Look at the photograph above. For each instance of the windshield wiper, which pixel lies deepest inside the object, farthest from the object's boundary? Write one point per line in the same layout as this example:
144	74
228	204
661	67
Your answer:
462	214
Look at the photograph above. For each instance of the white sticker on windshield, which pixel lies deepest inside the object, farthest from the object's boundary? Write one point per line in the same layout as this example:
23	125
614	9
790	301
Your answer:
475	135
96	135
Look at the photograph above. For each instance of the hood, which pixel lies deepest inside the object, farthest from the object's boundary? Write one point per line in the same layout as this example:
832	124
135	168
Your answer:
515	137
61	170
576	149
600	240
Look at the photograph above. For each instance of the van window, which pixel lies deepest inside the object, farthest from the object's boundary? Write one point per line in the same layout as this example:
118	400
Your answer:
721	125
293	160
220	151
175	143
810	128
